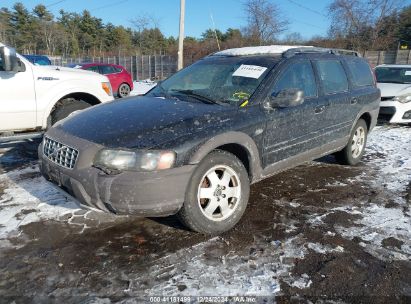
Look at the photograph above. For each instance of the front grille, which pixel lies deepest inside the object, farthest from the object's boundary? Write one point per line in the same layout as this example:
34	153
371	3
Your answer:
387	98
383	118
59	153
387	110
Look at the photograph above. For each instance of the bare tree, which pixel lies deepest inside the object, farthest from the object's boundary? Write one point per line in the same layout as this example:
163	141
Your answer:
264	21
142	23
293	39
363	23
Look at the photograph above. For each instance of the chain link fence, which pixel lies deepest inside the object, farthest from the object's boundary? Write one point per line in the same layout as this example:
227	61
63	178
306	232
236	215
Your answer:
155	67
388	57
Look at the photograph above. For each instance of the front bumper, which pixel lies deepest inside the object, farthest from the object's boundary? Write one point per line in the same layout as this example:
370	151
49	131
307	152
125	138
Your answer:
159	193
395	112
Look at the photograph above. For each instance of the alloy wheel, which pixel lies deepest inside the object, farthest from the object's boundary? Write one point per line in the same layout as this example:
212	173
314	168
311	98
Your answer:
219	193
124	90
358	142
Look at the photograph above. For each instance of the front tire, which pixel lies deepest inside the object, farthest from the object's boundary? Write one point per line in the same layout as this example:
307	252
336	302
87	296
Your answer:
354	151
64	108
217	194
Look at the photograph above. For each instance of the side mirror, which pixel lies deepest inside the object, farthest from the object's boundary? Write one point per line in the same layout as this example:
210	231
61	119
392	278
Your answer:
10	61
285	98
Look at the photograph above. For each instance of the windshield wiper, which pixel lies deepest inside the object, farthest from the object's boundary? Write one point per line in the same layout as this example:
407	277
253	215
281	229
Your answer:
191	93
392	81
165	92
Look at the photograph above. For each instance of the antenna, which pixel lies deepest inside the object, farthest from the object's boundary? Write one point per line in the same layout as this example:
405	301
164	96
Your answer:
214	30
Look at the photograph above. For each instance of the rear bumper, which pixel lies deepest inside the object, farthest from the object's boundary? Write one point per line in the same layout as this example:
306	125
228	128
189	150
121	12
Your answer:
395	112
159	193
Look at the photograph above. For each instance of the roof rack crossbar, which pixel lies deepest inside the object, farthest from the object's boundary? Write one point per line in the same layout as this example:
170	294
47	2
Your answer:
345	52
294	51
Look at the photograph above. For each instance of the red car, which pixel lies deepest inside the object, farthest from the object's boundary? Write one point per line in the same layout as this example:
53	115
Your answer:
120	79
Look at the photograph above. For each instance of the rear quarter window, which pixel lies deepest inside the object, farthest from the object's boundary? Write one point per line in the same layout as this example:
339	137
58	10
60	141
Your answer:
93	68
360	72
107	69
332	76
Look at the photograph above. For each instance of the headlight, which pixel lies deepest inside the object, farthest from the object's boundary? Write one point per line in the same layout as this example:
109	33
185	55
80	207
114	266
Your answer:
106	86
135	160
403	98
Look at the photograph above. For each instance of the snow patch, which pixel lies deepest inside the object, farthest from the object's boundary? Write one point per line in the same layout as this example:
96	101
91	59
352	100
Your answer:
303	282
379	223
142	87
29	198
256	50
389	153
324	249
223	274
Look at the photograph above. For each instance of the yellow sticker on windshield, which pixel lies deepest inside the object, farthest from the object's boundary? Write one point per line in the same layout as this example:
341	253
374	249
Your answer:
241	95
244	104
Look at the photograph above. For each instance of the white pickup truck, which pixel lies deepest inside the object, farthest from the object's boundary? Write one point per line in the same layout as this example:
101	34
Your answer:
34	97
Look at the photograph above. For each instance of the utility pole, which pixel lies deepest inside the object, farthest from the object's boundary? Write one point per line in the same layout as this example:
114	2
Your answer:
181	35
215	31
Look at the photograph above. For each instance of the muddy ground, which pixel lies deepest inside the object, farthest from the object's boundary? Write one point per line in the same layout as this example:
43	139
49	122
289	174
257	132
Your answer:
320	232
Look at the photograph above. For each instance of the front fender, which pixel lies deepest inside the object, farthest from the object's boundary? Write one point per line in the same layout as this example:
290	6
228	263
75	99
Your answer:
46	111
232	137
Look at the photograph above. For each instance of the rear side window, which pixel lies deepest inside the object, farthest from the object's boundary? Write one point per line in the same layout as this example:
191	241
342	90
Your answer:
361	72
107	69
332	76
117	70
298	75
93	69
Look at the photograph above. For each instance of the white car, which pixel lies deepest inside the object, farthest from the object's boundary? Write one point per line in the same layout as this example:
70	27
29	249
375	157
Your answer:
33	97
394	81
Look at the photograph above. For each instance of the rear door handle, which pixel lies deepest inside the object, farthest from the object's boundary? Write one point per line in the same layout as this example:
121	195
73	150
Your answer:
319	109
354	101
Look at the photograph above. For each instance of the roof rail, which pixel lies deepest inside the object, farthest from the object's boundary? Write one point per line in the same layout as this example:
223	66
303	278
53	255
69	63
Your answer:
294	51
345	52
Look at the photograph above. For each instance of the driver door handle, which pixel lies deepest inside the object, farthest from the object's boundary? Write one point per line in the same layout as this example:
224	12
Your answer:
319	109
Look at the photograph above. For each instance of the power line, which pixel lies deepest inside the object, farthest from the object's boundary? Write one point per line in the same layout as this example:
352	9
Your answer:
55	3
108	5
309	24
307	8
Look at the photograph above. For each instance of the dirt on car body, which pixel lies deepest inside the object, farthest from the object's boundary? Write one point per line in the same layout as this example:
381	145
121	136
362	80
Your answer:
320	232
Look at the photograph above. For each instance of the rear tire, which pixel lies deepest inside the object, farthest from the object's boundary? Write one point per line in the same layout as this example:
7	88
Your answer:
65	108
217	194
124	90
354	151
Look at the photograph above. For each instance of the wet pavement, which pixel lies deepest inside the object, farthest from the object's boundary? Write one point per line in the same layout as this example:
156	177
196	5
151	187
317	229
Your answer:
319	232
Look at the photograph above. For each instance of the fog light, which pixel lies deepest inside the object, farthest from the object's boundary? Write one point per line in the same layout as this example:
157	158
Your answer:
407	115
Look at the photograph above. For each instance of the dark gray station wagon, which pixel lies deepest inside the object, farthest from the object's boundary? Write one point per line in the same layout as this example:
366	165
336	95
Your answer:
195	143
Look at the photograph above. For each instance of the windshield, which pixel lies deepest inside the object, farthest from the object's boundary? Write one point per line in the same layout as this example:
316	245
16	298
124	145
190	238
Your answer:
221	80
38	60
393	75
74	65
42	61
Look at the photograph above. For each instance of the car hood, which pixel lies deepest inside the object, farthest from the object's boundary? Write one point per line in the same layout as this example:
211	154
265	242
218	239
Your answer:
144	122
64	70
62	73
394	89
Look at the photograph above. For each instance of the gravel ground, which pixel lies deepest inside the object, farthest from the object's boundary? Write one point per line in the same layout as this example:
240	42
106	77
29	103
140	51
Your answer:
320	232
